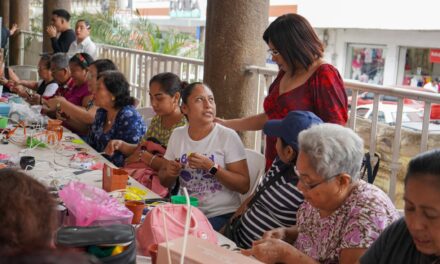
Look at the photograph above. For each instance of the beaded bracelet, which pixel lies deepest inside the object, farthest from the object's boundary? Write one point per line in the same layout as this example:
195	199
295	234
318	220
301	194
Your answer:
151	160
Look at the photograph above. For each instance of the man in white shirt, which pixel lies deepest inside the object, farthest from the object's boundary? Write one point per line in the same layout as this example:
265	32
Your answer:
83	42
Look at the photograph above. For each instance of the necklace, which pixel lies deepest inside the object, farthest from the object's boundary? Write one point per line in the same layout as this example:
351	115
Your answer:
110	119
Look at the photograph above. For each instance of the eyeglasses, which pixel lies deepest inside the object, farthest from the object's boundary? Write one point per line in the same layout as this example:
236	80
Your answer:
273	52
308	186
55	70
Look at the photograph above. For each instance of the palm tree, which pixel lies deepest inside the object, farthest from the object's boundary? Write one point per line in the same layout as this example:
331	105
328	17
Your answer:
140	34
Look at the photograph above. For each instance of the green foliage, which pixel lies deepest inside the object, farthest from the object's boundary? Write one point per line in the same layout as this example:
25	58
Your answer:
140	34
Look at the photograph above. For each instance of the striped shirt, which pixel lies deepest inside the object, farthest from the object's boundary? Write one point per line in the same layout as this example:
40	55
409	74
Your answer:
275	207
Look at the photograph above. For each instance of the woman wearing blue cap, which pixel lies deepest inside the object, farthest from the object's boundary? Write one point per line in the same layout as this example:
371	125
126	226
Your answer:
276	200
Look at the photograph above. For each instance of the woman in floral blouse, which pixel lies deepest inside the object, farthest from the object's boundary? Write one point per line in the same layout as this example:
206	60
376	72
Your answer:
341	216
165	90
116	117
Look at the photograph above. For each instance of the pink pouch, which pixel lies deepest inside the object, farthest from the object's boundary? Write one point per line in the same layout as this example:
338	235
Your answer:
88	205
142	173
152	229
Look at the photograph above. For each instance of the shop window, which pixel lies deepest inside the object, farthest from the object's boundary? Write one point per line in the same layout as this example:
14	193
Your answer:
422	68
365	63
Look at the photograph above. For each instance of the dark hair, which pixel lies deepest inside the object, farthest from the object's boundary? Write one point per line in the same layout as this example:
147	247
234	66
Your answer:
188	90
45	58
82	59
118	86
27	210
293	162
85	22
426	163
104	65
169	82
296	41
62	13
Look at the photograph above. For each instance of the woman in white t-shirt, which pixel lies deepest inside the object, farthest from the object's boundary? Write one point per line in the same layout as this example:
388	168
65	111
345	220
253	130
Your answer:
208	158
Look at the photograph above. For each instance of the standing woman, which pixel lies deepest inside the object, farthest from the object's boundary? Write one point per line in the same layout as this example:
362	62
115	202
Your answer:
116	117
304	82
208	158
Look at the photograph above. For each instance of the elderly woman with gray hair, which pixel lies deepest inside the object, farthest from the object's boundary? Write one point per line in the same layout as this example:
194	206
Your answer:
341	216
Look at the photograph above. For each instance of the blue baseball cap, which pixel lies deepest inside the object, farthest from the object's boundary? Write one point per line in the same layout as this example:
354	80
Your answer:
289	127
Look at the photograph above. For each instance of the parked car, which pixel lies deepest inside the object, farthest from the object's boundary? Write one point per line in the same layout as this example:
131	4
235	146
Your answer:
368	98
388	113
412	118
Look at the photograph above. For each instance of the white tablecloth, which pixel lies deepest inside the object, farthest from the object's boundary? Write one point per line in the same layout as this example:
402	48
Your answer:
52	164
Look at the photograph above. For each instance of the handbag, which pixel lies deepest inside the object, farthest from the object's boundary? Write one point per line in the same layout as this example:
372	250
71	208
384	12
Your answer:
170	218
231	229
92	236
368	172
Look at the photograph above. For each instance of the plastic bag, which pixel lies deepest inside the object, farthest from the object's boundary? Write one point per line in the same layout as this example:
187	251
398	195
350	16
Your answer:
29	114
89	205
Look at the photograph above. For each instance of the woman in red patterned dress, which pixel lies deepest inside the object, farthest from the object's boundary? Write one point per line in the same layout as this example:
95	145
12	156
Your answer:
304	82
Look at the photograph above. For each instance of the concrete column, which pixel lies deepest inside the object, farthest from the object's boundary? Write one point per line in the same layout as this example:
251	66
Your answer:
234	31
48	7
19	14
4	12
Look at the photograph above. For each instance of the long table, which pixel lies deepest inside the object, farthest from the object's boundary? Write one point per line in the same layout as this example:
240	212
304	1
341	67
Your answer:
53	166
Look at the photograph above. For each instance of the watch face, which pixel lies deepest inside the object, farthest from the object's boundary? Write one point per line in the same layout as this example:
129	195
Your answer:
213	170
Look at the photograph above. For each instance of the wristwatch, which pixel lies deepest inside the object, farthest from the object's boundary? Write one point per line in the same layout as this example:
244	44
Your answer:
213	170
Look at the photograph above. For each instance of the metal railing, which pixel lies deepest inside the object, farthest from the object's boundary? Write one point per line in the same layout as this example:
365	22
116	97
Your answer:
266	76
139	66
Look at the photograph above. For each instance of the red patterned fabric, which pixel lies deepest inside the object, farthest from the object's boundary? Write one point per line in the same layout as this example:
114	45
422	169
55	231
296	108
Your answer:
323	94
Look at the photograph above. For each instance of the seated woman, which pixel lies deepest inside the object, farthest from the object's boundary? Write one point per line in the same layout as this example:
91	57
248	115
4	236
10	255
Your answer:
27	210
79	95
165	90
208	159
415	238
46	87
82	117
341	215
277	198
116	117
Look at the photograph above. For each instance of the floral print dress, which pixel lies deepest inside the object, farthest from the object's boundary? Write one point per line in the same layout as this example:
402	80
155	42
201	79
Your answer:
128	126
366	212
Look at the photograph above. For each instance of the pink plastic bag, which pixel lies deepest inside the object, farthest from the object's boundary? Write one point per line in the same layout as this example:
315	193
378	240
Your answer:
88	205
152	229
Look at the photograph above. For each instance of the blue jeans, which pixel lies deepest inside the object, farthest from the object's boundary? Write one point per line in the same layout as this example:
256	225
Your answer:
219	221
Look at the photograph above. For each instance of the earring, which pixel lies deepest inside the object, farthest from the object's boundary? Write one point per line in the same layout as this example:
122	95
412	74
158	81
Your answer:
113	98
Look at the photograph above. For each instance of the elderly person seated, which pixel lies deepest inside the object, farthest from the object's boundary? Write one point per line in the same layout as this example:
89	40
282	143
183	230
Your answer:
116	117
415	238
44	88
341	215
